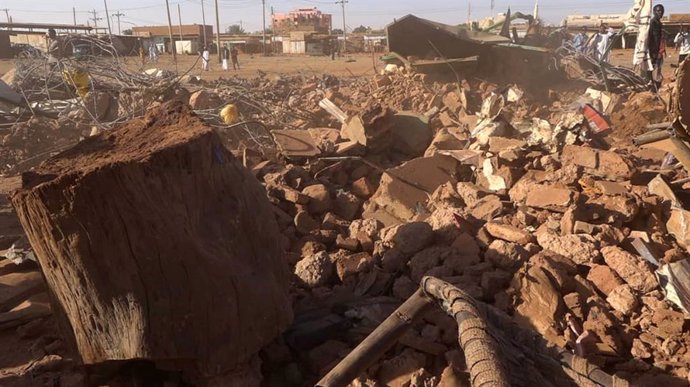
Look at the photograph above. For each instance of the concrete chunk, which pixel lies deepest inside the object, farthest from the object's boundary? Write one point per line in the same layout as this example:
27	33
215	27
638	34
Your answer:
631	269
509	233
404	188
549	197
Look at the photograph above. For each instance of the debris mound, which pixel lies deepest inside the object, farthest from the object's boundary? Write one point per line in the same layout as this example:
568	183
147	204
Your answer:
163	247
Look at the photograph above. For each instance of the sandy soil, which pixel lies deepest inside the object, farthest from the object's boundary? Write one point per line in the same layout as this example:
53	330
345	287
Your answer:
251	65
356	64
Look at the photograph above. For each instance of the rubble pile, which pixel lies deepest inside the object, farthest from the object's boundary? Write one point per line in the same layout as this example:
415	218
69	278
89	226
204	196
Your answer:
516	196
537	216
35	137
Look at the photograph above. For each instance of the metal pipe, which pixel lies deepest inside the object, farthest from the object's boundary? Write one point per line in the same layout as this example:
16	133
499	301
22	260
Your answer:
651	137
480	348
378	342
682	152
482	354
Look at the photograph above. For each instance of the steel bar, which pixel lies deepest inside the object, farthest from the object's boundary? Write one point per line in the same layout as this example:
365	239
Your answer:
651	137
376	344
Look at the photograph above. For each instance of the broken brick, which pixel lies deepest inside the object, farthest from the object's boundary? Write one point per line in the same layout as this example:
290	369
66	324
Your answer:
623	299
633	270
342	242
487	208
509	233
353	264
319	198
580	248
604	278
315	270
549	198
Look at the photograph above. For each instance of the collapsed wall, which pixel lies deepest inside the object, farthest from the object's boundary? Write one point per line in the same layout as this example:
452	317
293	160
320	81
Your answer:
158	244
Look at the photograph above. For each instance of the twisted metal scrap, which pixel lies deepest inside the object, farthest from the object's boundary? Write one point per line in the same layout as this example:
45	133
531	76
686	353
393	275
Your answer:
600	73
45	81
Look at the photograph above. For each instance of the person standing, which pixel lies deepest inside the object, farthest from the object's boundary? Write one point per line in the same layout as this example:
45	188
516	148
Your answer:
682	42
654	45
226	58
235	61
205	59
600	43
579	41
153	53
142	55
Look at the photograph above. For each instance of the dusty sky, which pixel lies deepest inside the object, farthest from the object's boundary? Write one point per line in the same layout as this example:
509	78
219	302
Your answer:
374	13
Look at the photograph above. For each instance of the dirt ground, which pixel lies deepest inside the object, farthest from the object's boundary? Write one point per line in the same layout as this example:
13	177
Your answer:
350	65
252	65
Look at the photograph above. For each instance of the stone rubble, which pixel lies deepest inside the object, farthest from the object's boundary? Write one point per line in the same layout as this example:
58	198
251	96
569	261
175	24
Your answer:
514	200
539	229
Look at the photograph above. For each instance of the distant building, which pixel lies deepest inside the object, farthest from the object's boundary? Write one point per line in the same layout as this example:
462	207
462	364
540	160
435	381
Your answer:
302	20
160	35
594	21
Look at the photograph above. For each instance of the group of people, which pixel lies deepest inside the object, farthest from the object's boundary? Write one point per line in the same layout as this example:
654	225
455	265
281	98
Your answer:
227	54
152	53
598	46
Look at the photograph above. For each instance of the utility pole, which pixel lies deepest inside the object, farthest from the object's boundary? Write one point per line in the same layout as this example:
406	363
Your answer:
7	13
172	43
218	34
343	2
179	19
95	18
203	20
9	19
469	15
117	15
74	15
263	13
107	18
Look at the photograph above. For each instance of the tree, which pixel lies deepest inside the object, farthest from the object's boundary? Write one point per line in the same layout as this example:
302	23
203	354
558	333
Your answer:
362	30
235	29
268	32
337	31
127	32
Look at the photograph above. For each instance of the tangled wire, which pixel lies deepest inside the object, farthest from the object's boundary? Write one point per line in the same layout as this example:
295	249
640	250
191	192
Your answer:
599	73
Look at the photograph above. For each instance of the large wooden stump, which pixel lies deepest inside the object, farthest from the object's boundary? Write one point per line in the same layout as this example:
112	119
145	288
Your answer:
158	244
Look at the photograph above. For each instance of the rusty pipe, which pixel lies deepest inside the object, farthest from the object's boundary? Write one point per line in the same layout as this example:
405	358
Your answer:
378	342
651	137
481	350
681	151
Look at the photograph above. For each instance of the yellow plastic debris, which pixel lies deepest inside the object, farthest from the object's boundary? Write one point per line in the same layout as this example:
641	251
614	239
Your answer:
79	79
229	114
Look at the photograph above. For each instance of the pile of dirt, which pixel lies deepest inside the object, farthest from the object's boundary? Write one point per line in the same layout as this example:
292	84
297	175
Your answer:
513	197
641	110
